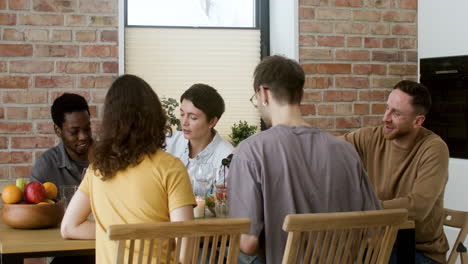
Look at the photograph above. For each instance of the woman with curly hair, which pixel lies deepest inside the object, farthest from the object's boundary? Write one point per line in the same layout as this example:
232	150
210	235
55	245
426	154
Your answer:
130	179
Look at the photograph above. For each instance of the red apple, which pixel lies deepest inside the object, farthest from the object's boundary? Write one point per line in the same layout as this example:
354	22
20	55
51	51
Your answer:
34	192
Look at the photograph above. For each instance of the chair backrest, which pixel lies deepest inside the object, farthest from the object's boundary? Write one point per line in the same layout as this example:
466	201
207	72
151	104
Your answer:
457	219
167	241
344	237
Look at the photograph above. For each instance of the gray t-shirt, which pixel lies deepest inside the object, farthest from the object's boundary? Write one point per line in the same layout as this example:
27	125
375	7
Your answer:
56	166
292	170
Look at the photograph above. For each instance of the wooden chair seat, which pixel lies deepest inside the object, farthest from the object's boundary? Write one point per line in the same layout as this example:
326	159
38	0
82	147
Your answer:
457	219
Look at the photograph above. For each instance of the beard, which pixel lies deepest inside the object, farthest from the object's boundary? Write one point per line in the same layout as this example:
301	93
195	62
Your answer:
394	133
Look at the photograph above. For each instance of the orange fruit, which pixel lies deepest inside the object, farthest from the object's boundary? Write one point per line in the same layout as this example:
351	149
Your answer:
12	194
50	190
43	203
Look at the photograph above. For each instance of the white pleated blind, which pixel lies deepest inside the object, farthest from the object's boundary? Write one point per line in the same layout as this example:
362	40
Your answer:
172	59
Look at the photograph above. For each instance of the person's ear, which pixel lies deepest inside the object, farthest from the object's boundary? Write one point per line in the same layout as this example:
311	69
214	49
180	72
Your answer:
264	98
418	122
58	131
212	123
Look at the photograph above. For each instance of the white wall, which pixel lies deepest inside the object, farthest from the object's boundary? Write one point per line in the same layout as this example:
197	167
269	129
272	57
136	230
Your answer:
443	31
284	32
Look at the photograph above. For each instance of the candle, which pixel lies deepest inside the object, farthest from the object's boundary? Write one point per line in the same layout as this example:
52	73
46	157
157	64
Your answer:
199	210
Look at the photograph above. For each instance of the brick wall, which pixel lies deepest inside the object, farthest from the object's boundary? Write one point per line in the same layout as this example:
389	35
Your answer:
48	47
353	52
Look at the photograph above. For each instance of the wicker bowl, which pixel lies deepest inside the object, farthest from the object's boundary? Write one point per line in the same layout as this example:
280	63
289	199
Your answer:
33	216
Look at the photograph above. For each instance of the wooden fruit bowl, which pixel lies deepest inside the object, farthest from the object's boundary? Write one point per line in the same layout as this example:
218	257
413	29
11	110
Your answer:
33	216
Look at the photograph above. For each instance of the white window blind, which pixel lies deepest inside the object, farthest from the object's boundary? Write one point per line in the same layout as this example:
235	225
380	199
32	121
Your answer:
172	59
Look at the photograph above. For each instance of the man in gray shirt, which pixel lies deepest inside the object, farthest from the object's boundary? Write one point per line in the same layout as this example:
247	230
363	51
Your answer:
64	163
291	168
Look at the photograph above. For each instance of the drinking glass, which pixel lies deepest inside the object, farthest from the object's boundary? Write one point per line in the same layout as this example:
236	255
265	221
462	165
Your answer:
67	192
221	202
203	175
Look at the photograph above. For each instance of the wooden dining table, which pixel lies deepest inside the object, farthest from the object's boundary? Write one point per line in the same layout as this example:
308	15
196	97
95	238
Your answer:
17	244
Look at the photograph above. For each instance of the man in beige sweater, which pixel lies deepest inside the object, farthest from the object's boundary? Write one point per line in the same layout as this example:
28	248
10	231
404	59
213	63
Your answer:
408	165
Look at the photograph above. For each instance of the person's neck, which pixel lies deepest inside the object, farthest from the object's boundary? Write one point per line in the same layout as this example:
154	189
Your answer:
406	141
198	145
76	157
287	115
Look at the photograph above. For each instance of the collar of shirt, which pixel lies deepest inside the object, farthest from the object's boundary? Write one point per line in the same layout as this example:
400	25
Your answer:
63	158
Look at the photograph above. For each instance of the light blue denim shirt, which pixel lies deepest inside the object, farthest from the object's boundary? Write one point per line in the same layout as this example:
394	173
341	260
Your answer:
213	154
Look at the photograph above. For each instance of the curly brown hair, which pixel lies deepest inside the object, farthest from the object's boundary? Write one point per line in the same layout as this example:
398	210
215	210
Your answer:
134	125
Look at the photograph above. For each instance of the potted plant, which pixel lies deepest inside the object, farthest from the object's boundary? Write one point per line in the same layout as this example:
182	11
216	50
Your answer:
241	131
170	105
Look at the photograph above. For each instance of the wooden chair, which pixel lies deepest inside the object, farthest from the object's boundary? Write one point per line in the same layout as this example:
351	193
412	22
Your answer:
165	240
457	219
345	237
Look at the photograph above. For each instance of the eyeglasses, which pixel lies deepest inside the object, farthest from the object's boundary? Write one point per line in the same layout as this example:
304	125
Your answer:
253	99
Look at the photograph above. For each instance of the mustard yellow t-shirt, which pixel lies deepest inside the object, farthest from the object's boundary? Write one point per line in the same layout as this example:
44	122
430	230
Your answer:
144	193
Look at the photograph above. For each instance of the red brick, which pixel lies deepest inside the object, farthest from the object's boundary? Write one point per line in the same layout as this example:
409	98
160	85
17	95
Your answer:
307	109
99	51
7	19
334	68
355	42
378	109
312	96
96	81
40	112
61	35
315	54
384	82
332	14
339	96
406	30
4	173
93	109
20	171
110	67
85	35
17	112
2	66
3	142
330	41
15	157
348	3
306	13
409	4
369	69
379	4
77	67
371	121
2	4
41	20
361	109
15	50
98	97
104	21
351	82
37	35
366	15
380	29
77	20
398	69
307	40
63	51
315	27
399	16
387	56
344	109
411	56
371	43
326	109
408	43
19	4
46	127
110	36
373	95
389	43
36	142
31	66
348	122
354	55
321	122
351	28
48	81
313	2
55	94
29	97
93	6
15	128
54	6
13	34
14	82
2	113
317	82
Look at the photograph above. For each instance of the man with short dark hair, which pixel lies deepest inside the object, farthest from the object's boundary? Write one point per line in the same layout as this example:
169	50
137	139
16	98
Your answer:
64	163
408	166
290	168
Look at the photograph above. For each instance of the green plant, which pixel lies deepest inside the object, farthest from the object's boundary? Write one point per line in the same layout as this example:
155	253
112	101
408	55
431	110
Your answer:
170	105
241	131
